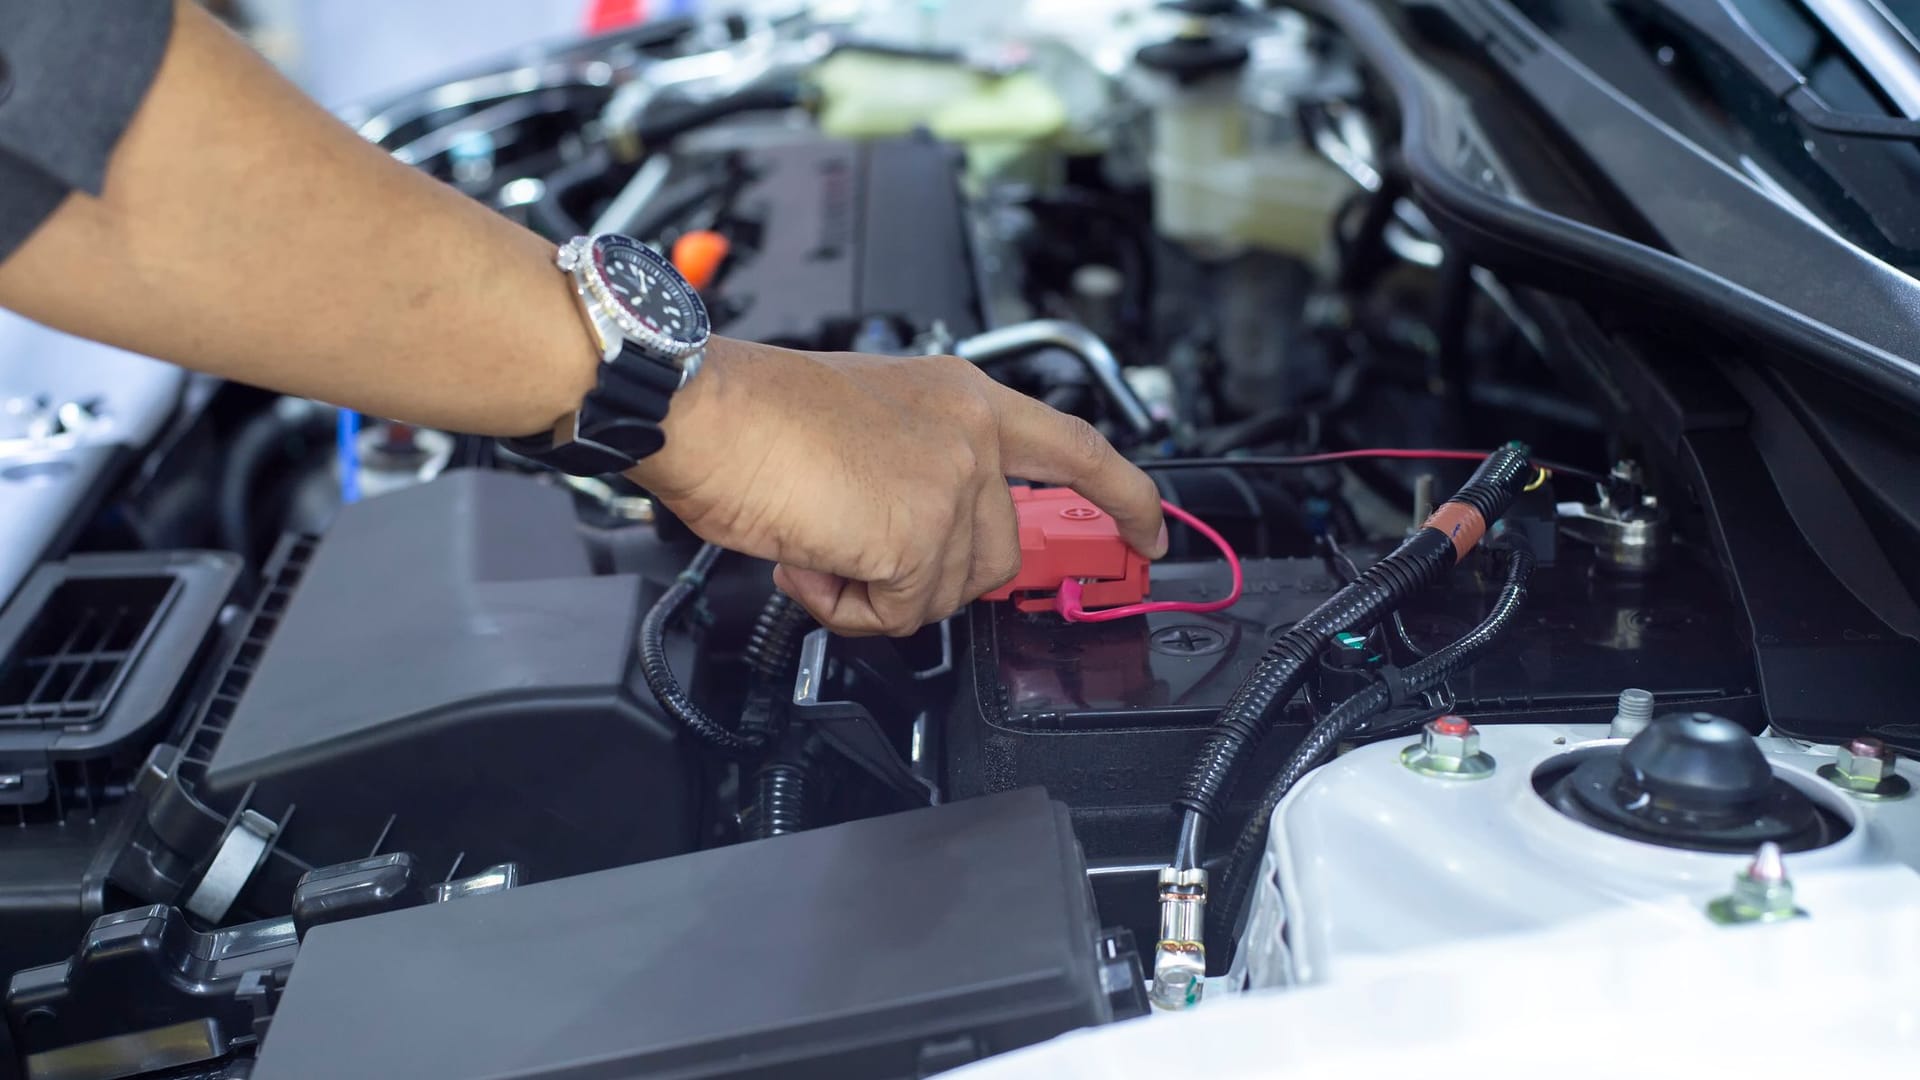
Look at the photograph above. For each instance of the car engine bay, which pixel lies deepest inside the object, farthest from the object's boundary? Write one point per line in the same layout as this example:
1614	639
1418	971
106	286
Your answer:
333	746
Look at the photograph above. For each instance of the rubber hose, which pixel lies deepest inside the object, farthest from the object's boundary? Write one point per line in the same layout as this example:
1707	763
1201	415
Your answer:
548	214
652	134
781	801
1422	559
252	447
1349	716
670	206
659	675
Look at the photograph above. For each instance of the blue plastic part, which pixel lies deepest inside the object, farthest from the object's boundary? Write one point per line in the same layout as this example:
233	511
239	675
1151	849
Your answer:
348	448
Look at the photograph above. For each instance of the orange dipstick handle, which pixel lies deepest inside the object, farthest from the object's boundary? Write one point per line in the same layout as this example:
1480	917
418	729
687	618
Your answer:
698	255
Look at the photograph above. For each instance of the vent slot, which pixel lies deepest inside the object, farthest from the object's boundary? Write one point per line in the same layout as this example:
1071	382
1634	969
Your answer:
78	649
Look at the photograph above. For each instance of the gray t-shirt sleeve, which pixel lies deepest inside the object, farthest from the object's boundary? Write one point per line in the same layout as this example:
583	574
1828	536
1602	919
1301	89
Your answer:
72	73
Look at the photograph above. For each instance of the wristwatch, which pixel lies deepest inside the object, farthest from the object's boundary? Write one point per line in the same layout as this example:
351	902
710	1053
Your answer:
650	327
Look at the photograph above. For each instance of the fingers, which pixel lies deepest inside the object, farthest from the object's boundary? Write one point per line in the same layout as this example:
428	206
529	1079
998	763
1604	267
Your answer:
836	603
1039	443
996	541
978	554
947	593
858	608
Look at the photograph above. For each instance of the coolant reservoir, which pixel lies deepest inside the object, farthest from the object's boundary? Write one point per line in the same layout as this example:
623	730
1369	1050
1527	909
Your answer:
996	116
1230	169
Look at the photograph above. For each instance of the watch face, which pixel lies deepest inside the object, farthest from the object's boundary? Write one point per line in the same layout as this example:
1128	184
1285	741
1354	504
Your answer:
647	290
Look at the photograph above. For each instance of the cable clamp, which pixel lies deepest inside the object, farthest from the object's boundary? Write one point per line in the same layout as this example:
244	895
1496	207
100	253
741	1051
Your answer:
1399	689
1182	879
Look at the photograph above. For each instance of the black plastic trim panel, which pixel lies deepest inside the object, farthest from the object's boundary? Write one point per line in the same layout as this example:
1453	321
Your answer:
1737	256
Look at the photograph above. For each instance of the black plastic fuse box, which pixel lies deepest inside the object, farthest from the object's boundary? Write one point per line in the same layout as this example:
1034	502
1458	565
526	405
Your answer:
891	947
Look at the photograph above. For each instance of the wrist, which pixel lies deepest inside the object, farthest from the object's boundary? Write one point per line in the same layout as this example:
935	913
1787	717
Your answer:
572	359
698	434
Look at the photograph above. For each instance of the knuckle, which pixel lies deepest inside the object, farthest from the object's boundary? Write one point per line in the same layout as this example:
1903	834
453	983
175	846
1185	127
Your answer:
1002	571
966	461
1088	447
972	411
955	366
1145	489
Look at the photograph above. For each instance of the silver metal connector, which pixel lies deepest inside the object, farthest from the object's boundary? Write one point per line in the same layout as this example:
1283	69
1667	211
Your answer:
1180	959
1632	715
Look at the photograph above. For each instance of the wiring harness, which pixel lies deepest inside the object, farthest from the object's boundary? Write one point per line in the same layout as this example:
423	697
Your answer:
1454	528
659	674
1350	717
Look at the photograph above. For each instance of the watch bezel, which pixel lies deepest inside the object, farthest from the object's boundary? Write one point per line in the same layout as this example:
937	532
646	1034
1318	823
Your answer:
576	257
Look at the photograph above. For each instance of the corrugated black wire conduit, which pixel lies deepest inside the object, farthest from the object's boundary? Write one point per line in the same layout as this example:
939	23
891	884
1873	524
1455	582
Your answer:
1423	559
782	800
1349	717
659	676
773	647
783	788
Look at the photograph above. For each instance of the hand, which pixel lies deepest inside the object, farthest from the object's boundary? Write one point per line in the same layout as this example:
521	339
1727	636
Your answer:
878	484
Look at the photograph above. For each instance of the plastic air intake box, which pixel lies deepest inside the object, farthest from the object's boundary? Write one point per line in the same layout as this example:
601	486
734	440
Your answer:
94	651
96	655
442	673
891	947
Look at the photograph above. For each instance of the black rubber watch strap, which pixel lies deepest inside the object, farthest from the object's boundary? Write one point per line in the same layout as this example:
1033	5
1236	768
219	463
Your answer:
574	456
619	420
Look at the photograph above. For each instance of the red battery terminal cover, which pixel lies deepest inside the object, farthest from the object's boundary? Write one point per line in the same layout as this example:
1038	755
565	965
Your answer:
1063	536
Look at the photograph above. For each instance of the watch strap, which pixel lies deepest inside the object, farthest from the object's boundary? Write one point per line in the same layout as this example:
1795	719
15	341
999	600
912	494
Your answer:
619	421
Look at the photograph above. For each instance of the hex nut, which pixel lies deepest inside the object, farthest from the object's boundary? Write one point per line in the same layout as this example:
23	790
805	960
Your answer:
1863	768
1457	747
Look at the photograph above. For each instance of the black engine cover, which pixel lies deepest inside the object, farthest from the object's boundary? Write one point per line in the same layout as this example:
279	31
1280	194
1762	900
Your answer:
829	233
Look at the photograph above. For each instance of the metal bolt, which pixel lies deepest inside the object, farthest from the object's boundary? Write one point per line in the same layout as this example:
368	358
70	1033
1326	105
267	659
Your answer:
1448	747
1867	768
1450	737
1632	715
1761	893
1865	759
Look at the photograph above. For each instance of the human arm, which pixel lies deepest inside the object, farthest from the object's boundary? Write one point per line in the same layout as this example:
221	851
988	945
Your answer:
244	231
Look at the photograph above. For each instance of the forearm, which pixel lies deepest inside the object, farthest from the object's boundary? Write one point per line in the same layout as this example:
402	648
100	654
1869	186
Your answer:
246	232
